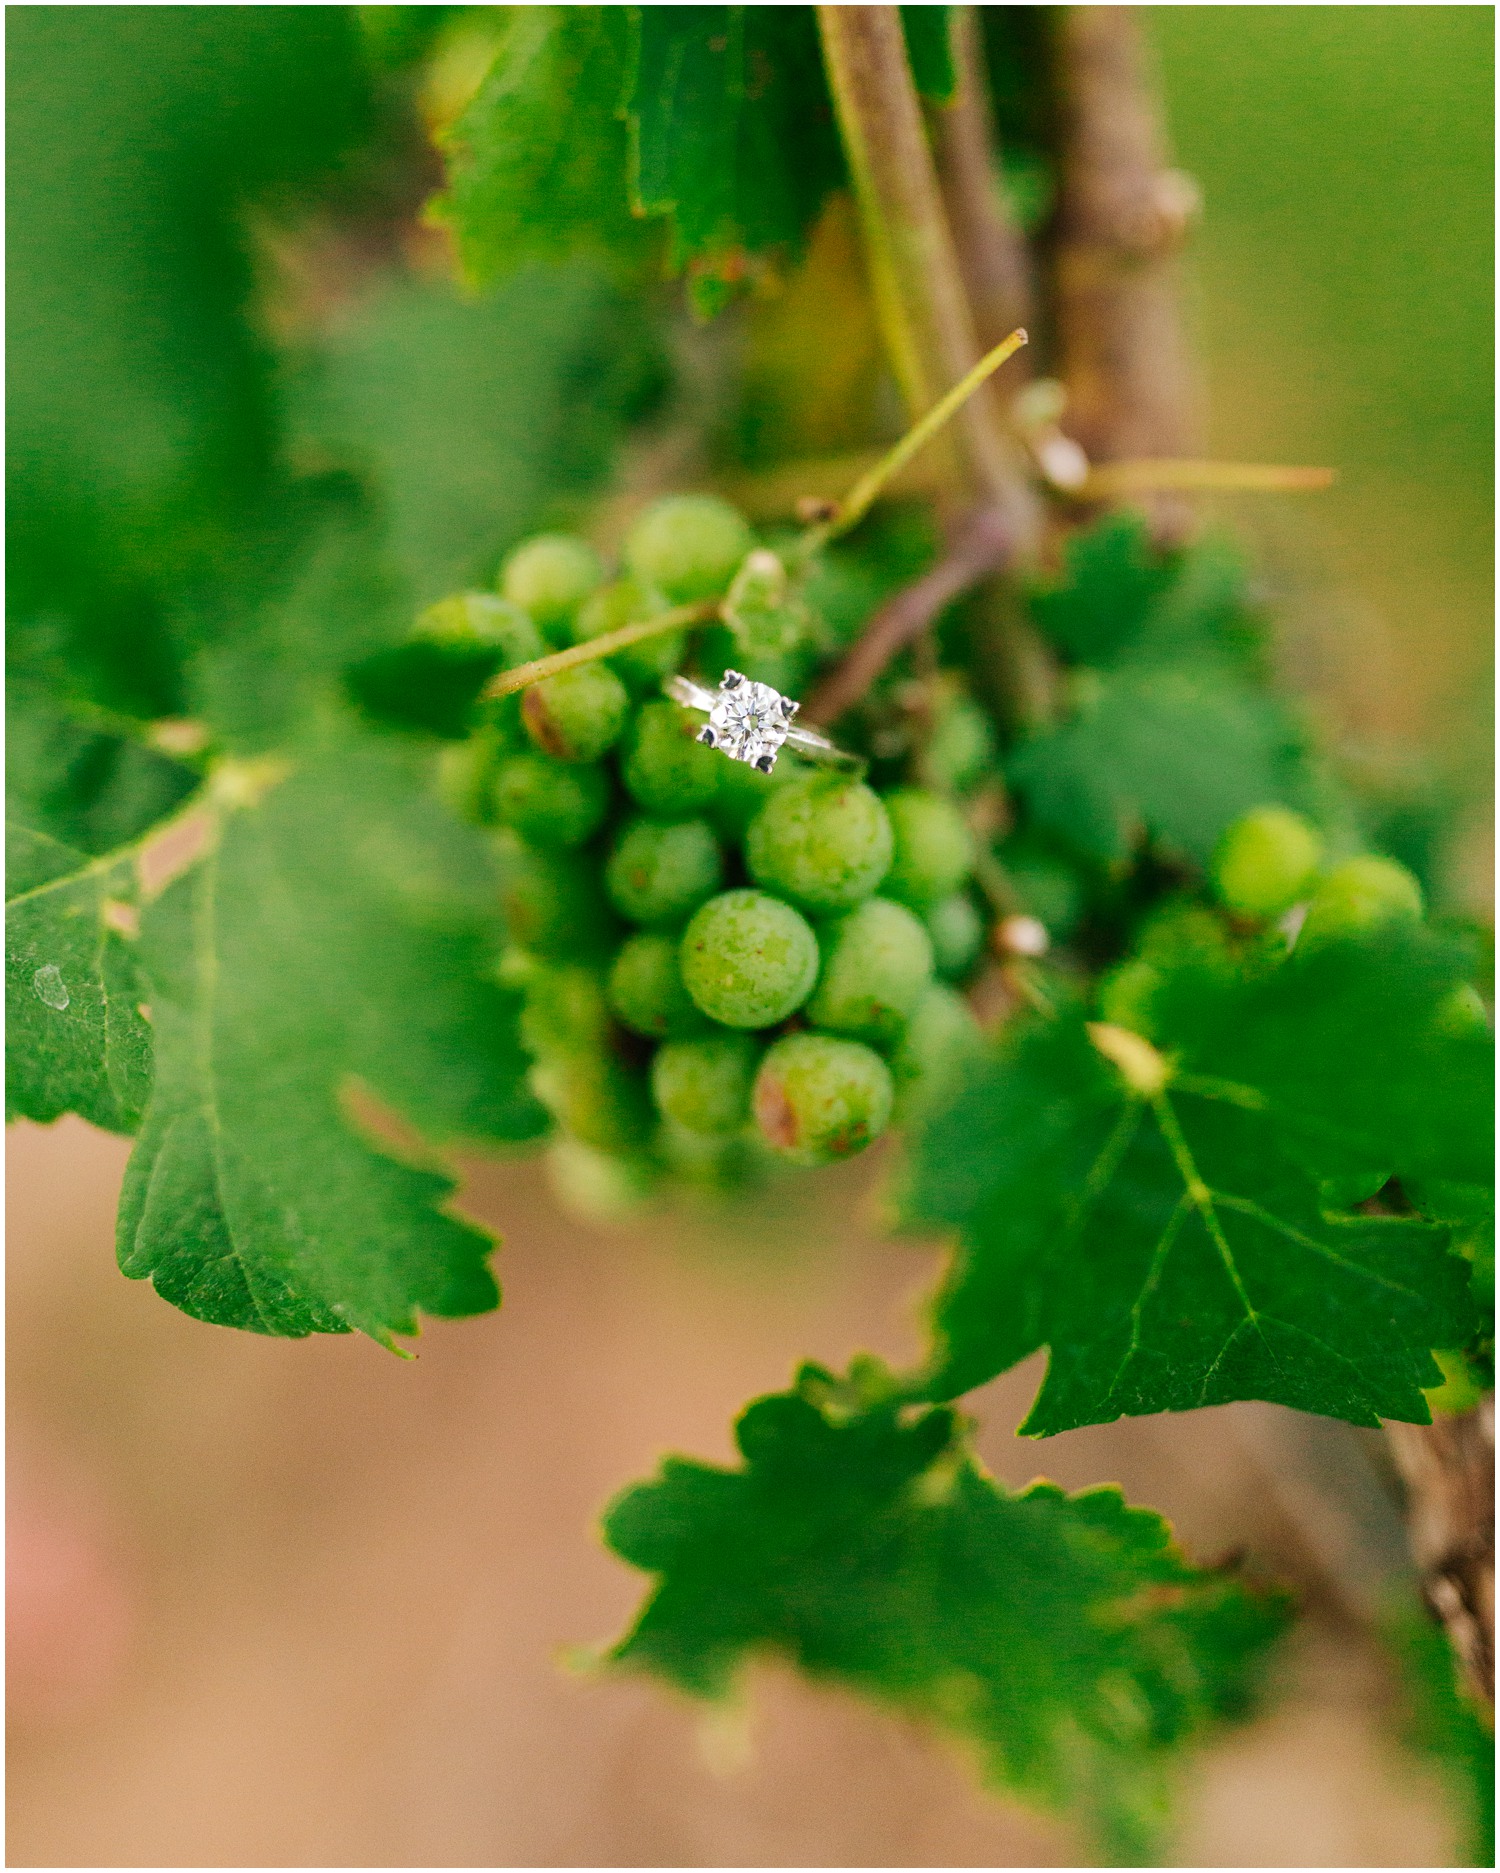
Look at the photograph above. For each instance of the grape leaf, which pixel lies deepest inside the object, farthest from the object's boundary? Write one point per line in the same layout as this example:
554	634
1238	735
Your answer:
336	937
537	162
1173	730
731	134
1066	1639
1171	1239
87	785
1177	752
1112	577
75	1039
139	412
475	416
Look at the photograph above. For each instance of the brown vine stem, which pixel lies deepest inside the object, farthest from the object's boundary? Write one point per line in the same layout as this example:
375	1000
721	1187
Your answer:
1448	1467
1122	215
992	251
924	312
929	332
983	545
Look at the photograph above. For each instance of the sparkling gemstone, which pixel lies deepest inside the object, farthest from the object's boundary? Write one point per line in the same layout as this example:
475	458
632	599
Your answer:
749	720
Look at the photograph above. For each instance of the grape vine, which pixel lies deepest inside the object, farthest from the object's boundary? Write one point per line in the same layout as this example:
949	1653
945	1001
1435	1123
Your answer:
1182	1067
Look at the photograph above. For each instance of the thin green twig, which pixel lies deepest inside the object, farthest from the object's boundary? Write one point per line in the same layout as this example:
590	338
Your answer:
507	682
866	491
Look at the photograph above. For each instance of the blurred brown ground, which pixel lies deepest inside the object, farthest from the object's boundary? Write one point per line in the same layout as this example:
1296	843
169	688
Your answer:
314	1597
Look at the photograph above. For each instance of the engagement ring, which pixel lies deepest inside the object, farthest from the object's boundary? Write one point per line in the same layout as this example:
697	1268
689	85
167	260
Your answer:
751	722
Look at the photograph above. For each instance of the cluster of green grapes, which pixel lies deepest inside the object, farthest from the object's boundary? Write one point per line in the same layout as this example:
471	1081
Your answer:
1274	890
720	968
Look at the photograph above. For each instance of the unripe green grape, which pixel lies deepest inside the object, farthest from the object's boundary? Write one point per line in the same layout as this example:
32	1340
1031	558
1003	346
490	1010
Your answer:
764	621
688	545
703	1084
550	576
1265	862
1461	1013
597	1186
957	932
564	1012
876	963
551	803
743	790
466	774
646	989
822	842
934	849
666	769
552	902
660	870
718	651
818	1099
961	750
481	619
748	959
627	601
576	714
928	1065
1359	894
594	1097
715	1162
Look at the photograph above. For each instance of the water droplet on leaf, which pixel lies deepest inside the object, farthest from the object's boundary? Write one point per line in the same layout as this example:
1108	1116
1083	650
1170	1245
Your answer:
50	987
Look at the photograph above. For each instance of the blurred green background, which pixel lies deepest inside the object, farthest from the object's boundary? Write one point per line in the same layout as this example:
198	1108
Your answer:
1344	299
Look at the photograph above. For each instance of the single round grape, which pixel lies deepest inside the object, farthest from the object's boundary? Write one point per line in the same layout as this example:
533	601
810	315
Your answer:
957	932
1266	862
576	714
703	1084
550	576
1359	894
961	750
666	769
876	963
594	1097
928	1065
743	790
597	1186
715	1162
552	902
934	849
1461	1013
479	618
748	959
688	545
466	775
552	803
719	650
627	601
646	989
660	870
564	1011
823	842
817	1099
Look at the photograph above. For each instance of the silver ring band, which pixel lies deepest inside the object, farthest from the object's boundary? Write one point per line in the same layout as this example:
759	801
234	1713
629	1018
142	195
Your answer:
751	722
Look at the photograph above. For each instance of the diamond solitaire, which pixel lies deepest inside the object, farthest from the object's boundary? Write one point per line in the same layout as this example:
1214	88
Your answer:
750	721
